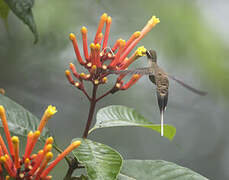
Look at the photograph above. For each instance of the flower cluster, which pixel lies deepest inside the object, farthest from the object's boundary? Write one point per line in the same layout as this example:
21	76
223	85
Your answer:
30	166
103	60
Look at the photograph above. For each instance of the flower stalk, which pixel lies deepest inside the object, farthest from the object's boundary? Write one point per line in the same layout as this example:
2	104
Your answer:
102	60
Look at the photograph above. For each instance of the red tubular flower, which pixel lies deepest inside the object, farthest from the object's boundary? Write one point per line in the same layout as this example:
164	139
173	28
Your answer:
3	146
151	23
104	60
84	37
70	148
107	31
73	69
132	38
15	141
118	54
101	24
92	57
75	45
131	82
30	166
115	47
6	129
68	75
97	55
100	38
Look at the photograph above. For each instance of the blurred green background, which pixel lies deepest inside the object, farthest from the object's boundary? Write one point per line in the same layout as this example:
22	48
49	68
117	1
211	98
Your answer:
192	42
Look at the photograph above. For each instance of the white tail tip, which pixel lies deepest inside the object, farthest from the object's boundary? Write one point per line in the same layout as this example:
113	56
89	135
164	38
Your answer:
162	124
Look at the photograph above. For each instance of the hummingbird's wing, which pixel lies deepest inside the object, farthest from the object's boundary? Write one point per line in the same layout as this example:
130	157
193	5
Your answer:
152	78
142	71
202	93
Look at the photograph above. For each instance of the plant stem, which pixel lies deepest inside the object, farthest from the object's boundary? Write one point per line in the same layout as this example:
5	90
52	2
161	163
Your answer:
105	94
91	111
72	166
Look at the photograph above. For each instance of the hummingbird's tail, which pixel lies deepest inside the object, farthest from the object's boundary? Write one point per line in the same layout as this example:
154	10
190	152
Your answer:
162	102
162	123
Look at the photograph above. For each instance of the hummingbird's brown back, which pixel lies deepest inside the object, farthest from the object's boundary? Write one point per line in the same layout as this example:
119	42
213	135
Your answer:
161	79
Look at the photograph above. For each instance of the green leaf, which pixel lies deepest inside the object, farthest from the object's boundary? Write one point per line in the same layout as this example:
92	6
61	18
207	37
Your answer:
156	170
101	161
20	121
23	10
4	11
113	116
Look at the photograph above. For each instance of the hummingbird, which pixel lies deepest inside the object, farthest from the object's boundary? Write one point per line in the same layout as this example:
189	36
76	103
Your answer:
161	79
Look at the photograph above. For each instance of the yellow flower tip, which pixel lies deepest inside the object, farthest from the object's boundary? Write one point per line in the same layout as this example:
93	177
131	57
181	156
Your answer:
137	34
27	161
75	144
72	36
92	46
33	156
104	80
136	76
40	152
71	65
49	140
82	75
94	67
97	46
49	156
119	40
77	84
67	72
2	159
109	19
2	110
7	177
15	140
96	81
154	20
141	51
104	17
104	67
6	156
30	134
100	35
48	148
122	43
84	30
50	111
36	134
